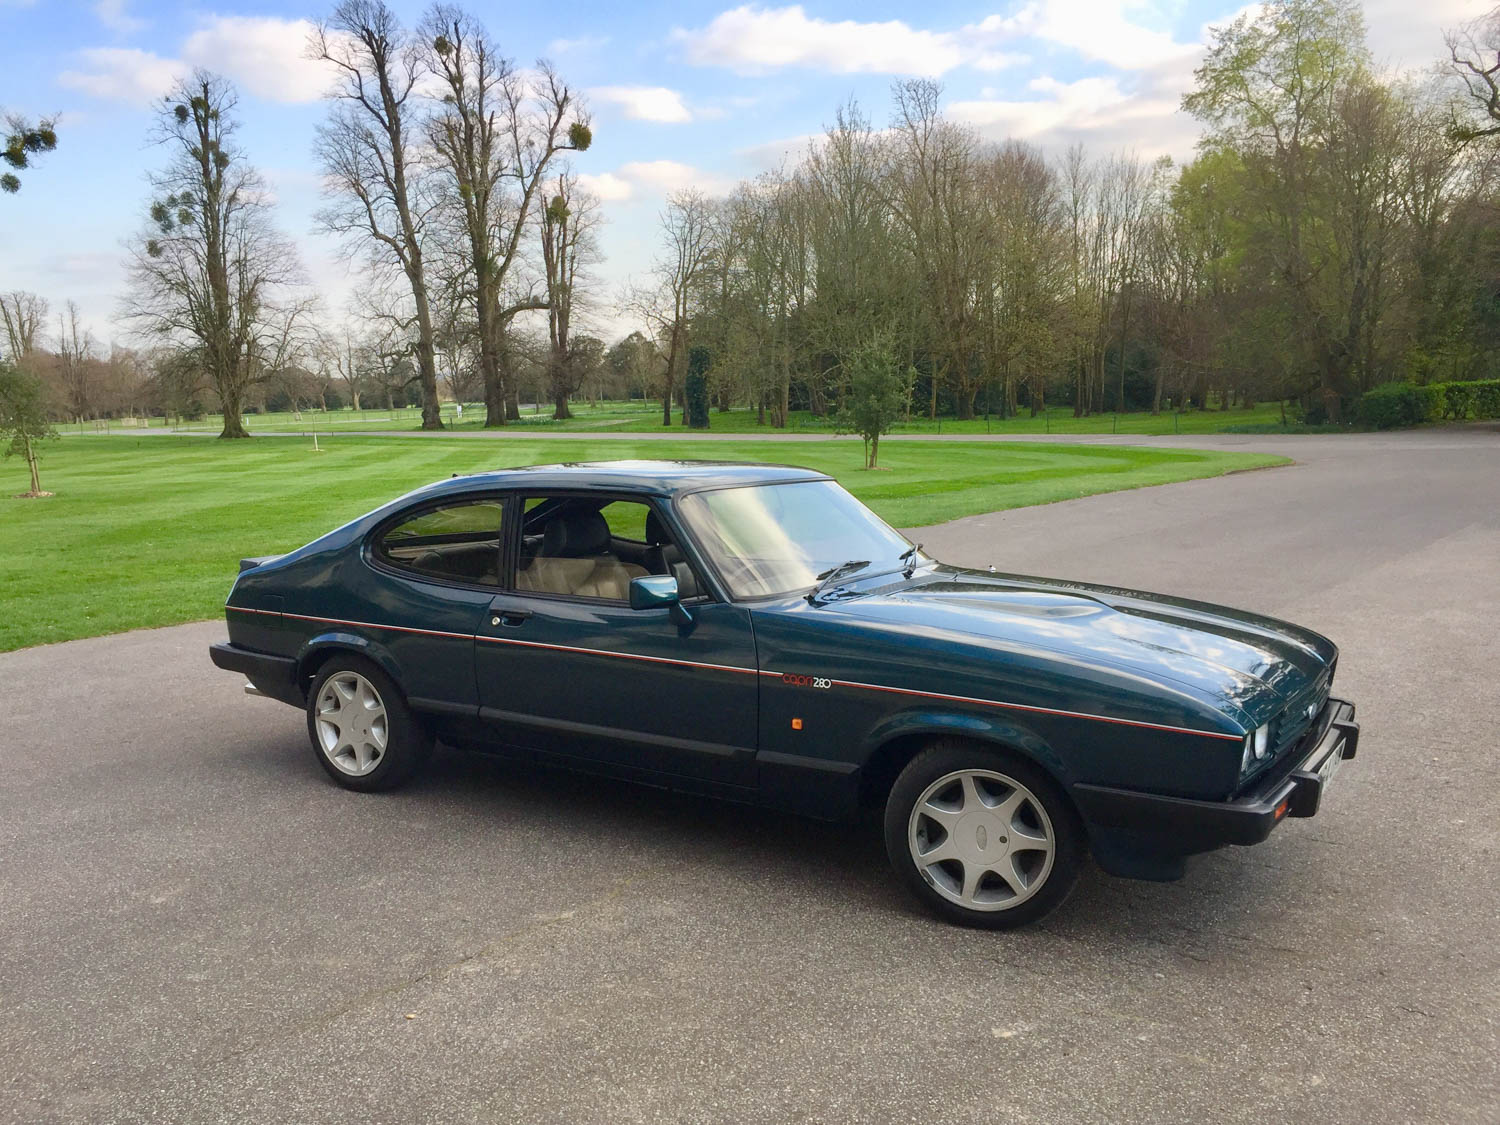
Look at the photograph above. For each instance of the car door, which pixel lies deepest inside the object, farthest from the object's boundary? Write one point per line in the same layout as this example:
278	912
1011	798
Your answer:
565	666
425	585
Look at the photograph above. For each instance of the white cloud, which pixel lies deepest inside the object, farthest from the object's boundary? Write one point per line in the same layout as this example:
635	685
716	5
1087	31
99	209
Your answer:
265	56
1097	111
1100	30
752	40
645	103
124	74
606	185
113	15
1404	33
665	176
646	178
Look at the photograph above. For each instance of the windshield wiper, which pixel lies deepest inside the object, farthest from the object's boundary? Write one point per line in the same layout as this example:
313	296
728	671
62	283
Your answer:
833	574
909	558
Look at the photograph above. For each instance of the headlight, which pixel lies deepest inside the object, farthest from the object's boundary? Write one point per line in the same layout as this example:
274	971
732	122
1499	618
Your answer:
1257	747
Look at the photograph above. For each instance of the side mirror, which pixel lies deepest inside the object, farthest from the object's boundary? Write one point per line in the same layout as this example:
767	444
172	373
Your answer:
656	591
653	591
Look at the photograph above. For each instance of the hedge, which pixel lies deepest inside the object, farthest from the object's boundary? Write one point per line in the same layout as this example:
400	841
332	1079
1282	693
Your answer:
1402	404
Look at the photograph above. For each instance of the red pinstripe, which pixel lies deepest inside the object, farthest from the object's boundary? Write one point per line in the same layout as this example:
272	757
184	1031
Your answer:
744	671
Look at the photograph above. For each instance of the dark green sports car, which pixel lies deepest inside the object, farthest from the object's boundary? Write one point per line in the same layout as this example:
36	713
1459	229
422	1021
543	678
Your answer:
755	633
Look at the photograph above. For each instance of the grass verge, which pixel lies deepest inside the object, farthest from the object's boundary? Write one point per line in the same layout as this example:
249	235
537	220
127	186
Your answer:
147	531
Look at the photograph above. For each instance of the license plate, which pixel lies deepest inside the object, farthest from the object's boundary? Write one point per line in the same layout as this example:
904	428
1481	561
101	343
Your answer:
1331	764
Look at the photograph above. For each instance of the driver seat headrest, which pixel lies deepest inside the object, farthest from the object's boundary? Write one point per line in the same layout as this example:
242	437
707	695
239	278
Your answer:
575	534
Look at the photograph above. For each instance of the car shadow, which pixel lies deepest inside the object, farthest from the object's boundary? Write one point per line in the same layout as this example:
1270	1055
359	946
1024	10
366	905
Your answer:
818	855
471	791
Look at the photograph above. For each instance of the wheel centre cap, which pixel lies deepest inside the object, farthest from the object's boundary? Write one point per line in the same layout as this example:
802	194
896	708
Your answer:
980	837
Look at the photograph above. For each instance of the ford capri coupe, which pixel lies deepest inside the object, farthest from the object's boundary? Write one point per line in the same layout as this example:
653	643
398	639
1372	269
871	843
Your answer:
753	632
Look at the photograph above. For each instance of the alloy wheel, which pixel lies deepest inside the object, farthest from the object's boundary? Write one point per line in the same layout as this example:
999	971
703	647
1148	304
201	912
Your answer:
981	840
351	723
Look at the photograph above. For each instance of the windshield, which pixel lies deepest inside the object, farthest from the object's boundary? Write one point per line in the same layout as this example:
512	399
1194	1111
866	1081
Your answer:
776	538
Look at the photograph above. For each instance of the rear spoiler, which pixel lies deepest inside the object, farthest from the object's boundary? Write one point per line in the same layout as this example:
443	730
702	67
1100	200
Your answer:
251	564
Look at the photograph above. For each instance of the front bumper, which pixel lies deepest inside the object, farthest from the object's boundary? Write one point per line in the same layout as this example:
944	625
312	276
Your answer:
1177	826
273	676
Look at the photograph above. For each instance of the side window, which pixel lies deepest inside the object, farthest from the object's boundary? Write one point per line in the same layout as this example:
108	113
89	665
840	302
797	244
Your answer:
593	546
459	542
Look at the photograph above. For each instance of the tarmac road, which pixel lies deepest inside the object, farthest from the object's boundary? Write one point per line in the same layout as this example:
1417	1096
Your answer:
196	926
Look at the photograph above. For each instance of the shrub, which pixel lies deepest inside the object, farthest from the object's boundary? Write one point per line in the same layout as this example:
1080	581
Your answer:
1387	407
1458	400
1486	399
1401	404
1428	402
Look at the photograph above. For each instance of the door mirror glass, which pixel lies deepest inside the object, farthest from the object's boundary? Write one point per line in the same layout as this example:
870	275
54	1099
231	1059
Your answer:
653	592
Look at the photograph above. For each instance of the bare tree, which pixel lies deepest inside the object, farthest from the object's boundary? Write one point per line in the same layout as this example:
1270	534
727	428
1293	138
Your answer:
22	314
932	192
569	247
75	354
687	226
1474	55
495	134
368	151
210	272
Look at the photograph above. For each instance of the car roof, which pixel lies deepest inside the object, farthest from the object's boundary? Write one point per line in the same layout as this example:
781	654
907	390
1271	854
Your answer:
655	478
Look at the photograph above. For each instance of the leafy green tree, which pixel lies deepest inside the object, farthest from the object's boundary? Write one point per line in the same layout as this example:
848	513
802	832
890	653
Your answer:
24	142
876	399
695	386
23	419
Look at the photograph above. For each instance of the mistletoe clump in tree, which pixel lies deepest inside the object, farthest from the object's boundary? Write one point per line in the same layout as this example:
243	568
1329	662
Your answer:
23	142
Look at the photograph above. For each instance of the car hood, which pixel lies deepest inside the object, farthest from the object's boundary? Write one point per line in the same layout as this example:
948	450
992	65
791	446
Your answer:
1253	663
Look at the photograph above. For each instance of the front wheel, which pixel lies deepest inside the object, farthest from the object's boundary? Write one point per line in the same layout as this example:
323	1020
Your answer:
362	732
984	838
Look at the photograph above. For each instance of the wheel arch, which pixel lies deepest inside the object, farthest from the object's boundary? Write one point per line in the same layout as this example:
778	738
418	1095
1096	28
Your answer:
900	738
325	646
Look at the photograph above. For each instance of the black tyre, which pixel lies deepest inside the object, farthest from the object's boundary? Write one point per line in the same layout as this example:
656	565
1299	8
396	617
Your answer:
362	731
982	837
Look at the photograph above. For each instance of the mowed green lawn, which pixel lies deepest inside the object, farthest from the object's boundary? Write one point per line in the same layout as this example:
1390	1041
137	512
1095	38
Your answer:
645	418
148	531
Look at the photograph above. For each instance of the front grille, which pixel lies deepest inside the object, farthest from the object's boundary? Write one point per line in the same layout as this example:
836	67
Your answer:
1301	713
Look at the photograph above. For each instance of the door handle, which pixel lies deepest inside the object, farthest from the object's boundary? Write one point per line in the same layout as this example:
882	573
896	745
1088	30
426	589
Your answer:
510	617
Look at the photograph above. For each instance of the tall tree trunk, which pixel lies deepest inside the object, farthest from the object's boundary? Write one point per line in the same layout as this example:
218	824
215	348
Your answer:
666	395
230	395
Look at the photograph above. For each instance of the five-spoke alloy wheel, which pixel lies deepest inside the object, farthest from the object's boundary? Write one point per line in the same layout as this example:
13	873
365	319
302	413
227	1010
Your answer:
364	735
983	837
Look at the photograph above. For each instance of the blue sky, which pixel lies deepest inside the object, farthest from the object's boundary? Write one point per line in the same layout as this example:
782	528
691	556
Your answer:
680	94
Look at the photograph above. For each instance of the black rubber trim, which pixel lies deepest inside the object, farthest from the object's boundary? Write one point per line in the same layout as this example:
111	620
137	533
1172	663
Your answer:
442	707
594	731
257	665
275	676
1188	826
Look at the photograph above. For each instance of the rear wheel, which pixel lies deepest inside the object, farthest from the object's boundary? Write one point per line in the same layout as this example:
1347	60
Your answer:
362	732
983	837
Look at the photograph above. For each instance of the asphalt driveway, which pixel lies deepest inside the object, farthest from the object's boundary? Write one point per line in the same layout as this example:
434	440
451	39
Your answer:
195	925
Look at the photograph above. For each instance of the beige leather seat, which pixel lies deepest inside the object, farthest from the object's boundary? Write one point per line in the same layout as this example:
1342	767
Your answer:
575	560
